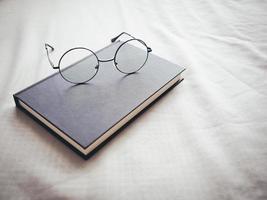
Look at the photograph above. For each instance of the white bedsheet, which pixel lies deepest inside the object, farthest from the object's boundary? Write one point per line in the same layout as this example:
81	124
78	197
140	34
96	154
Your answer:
206	139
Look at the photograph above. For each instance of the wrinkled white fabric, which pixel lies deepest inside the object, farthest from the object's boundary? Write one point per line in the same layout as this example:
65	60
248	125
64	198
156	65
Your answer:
206	139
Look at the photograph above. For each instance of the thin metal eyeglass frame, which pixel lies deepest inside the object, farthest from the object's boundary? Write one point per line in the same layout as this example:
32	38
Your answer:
50	48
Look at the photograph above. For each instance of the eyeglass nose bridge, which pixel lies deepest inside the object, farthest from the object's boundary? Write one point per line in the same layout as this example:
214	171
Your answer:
108	60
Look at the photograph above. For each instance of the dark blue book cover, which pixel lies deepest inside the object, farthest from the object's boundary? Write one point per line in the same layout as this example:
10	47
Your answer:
84	116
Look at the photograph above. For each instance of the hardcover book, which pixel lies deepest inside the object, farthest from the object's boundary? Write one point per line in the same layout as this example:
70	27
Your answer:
85	116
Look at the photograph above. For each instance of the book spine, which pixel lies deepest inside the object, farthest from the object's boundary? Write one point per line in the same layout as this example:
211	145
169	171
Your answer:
16	100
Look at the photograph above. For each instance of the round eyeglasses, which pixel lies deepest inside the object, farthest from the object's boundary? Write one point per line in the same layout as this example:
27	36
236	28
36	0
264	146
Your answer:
80	65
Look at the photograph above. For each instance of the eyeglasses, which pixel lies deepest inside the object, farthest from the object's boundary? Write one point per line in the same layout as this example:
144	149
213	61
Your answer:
80	65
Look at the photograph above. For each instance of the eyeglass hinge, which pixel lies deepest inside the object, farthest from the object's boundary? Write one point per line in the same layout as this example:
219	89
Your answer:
149	49
48	45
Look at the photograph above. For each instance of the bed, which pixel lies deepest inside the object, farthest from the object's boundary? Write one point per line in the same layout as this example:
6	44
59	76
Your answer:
206	139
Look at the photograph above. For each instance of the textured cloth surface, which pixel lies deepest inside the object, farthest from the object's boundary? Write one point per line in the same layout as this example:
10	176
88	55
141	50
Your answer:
206	139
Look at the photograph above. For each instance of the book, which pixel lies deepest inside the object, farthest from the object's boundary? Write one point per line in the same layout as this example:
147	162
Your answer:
86	116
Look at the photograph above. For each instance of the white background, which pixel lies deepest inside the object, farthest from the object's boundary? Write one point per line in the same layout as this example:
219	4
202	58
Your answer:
206	139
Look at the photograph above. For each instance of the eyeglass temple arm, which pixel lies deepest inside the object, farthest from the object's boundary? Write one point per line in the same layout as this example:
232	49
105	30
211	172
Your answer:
115	38
49	49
